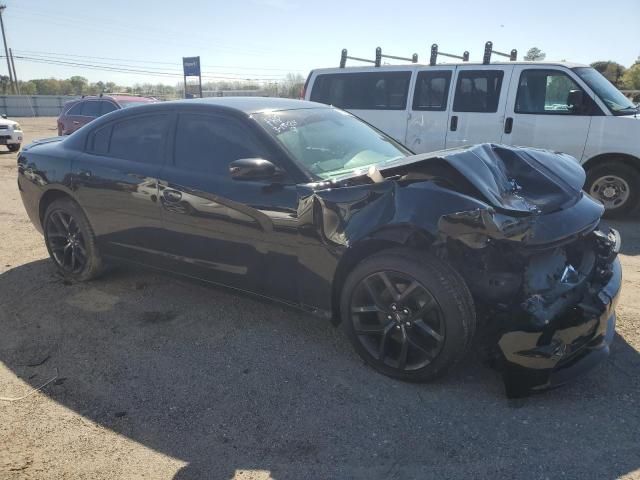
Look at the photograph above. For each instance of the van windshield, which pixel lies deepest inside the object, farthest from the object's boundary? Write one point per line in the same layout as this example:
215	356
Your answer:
609	94
329	142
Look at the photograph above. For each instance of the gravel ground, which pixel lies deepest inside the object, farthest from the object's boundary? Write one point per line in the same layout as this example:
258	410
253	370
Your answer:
160	377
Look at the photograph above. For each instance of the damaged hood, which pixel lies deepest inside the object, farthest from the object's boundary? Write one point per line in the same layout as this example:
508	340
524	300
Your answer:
512	179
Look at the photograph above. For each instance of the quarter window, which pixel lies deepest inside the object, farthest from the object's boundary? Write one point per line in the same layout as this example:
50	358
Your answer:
208	144
75	109
91	109
140	139
99	141
432	90
107	107
545	92
363	91
478	91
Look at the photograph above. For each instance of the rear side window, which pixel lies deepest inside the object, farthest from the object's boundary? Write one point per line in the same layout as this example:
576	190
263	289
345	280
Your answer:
91	109
107	107
363	91
545	92
208	144
478	91
75	109
139	139
432	90
99	141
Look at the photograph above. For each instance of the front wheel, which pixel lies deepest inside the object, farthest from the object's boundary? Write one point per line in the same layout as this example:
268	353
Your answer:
616	185
408	314
70	241
14	147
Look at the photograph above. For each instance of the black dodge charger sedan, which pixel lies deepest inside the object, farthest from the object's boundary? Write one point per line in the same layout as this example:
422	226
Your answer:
306	204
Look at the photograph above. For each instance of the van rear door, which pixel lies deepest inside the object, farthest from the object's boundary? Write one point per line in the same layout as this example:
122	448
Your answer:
378	96
429	109
540	111
480	97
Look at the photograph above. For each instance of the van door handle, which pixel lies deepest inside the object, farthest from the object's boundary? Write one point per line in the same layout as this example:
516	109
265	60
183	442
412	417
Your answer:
75	122
508	125
454	123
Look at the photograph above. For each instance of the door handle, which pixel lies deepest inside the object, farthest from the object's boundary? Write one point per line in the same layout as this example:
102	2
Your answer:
454	123
75	122
172	195
508	125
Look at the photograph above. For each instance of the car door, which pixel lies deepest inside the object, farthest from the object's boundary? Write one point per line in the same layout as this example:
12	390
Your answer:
115	180
428	118
477	113
379	97
237	233
540	113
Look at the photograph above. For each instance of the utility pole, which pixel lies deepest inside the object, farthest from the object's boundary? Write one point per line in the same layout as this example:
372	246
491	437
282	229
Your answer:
13	67
6	50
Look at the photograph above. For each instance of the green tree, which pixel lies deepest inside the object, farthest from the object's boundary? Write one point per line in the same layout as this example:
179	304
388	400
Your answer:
80	85
631	78
611	70
534	54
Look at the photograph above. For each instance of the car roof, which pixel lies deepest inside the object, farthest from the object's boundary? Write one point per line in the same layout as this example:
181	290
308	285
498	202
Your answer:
250	105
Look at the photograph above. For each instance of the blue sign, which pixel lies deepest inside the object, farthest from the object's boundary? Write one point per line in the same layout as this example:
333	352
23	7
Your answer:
191	66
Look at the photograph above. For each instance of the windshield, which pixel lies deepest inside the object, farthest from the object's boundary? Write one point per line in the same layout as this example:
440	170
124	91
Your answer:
329	142
610	95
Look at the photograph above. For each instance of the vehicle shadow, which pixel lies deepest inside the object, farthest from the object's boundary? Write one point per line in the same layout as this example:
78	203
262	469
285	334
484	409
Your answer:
228	384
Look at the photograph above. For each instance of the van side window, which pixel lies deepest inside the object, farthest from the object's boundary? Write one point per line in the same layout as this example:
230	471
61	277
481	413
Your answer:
432	90
106	107
140	139
75	109
363	91
208	143
478	91
91	108
545	92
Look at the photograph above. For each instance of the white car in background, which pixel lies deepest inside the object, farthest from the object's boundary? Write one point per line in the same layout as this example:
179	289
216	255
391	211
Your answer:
10	134
558	106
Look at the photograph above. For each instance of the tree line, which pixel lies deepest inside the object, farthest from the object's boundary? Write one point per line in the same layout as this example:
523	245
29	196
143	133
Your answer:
289	86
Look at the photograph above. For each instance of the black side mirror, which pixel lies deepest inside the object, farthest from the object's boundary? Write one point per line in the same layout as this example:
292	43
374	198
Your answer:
253	169
575	101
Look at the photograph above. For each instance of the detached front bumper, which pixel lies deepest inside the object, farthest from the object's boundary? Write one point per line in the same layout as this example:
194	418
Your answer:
571	344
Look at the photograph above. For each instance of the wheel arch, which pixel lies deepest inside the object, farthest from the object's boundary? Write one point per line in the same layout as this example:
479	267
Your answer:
49	197
601	158
384	239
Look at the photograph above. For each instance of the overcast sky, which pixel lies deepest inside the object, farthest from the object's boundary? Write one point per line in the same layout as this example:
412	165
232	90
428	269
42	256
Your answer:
267	38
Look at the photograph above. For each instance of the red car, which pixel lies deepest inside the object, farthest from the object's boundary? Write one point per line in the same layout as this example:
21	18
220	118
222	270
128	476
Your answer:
77	113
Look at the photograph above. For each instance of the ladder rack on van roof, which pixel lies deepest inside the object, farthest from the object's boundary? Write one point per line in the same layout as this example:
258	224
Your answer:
378	61
486	59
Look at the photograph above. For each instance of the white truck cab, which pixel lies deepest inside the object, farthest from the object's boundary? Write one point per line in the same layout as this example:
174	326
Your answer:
558	106
10	134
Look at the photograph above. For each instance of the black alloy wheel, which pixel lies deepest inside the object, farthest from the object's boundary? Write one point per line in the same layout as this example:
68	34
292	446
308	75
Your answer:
70	241
397	320
66	242
408	314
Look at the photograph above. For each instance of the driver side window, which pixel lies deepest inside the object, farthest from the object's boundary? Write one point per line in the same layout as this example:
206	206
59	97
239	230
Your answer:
208	143
547	92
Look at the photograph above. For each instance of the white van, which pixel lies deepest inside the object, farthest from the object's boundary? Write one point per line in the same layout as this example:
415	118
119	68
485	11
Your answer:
558	106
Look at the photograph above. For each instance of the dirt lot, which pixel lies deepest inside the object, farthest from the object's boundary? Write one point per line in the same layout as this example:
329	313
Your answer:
160	377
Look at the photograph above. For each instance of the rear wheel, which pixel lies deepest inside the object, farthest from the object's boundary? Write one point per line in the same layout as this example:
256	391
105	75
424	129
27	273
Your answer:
408	314
70	241
616	185
14	147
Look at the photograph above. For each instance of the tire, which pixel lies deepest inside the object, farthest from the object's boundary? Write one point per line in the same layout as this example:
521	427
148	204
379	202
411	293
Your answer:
14	147
71	242
434	318
616	185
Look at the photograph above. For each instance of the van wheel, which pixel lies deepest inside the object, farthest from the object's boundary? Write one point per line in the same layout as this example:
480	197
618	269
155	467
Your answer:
616	185
71	242
408	314
14	147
